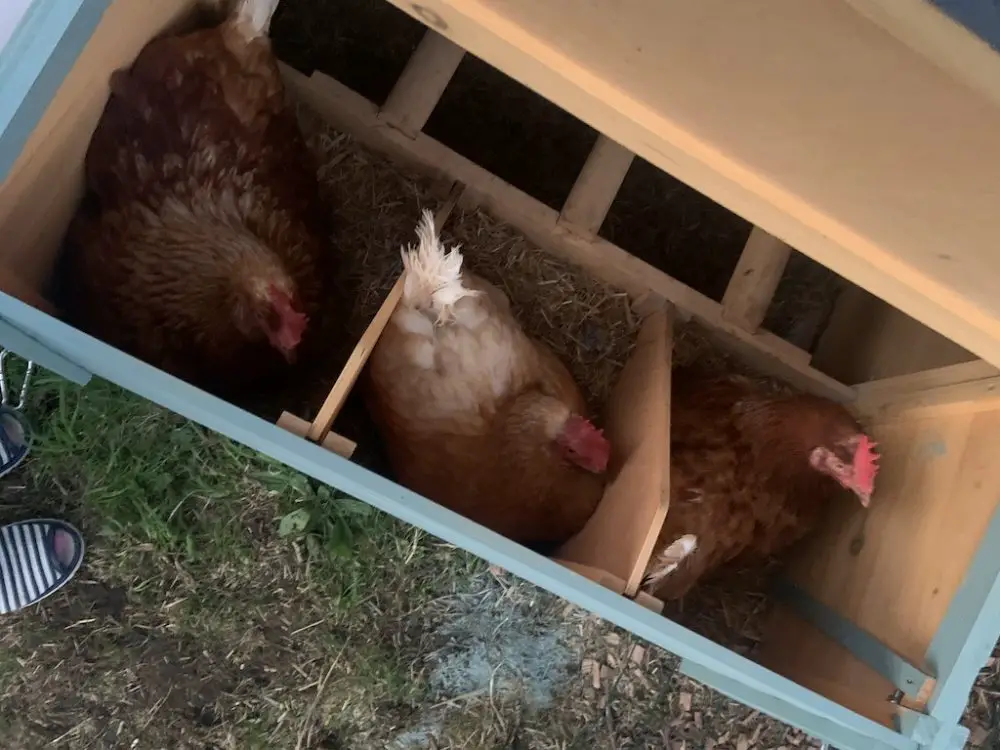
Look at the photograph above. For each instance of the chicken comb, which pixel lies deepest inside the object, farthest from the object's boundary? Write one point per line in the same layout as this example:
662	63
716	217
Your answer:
865	463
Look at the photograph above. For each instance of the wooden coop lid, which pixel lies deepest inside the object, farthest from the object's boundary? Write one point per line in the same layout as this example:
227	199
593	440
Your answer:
860	132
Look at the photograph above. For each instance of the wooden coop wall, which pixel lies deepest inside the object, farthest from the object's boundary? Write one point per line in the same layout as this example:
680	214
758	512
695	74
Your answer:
913	416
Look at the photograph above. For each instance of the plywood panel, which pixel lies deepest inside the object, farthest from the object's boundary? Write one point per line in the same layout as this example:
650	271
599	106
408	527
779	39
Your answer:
809	119
866	339
619	537
893	569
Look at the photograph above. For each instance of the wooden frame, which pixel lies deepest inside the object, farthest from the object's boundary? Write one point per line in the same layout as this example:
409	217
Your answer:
352	113
34	200
783	151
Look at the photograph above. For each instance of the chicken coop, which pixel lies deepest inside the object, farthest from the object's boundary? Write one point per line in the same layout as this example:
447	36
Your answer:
860	133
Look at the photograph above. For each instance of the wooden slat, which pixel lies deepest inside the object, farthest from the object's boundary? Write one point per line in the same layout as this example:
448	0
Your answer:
755	280
619	537
320	426
332	442
349	112
905	385
596	186
421	84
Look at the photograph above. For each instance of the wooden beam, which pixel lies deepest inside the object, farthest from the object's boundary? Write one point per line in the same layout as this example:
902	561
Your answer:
422	83
352	113
755	280
596	186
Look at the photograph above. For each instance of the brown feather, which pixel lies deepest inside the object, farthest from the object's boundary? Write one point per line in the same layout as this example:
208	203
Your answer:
740	477
201	186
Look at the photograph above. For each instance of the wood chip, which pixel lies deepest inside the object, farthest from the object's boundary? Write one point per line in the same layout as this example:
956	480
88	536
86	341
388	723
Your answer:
685	701
613	639
978	735
612	661
698	719
638	655
709	744
742	743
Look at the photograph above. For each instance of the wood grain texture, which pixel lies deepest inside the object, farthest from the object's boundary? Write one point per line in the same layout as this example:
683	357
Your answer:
619	537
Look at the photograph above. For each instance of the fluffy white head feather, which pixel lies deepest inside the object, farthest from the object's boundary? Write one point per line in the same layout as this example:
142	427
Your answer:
253	17
433	275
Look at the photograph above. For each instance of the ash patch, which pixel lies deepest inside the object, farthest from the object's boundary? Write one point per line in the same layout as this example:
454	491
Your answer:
494	648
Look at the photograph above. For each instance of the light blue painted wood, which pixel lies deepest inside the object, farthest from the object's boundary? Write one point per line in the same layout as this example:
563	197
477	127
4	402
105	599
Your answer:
930	733
968	631
28	348
107	362
859	642
815	724
34	63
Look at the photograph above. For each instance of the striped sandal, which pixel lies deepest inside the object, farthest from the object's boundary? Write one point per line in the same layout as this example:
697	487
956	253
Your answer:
37	558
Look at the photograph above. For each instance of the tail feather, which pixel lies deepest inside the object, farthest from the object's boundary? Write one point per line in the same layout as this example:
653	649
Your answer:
433	275
253	17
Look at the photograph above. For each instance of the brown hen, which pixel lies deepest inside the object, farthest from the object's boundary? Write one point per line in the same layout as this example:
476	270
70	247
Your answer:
202	246
751	472
477	416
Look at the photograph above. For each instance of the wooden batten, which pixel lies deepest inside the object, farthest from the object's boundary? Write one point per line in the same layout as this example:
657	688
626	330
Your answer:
755	280
596	186
619	537
421	84
352	113
333	442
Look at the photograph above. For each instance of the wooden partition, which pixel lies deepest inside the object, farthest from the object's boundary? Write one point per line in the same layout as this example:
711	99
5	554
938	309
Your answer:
894	569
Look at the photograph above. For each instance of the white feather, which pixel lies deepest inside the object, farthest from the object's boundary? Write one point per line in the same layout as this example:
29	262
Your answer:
253	17
433	280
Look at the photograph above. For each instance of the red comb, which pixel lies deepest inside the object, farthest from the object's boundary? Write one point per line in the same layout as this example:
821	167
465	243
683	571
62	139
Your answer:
865	464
